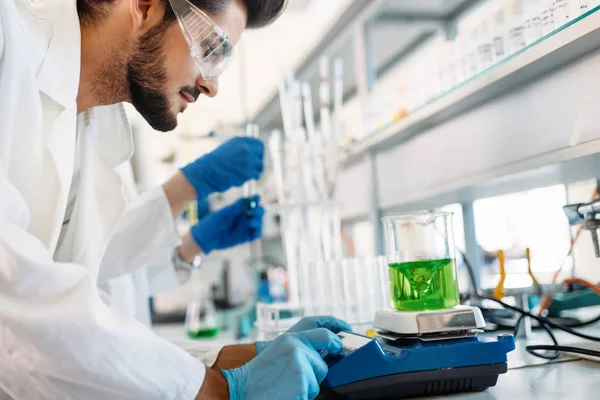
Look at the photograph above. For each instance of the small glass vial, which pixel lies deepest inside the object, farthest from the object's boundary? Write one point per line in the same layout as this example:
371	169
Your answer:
471	55
499	34
485	48
447	67
460	74
516	34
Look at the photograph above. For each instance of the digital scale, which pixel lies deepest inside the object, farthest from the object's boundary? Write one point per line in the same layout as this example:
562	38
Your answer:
417	354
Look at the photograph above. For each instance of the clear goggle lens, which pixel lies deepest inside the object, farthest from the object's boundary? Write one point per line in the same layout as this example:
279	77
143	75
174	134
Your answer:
209	47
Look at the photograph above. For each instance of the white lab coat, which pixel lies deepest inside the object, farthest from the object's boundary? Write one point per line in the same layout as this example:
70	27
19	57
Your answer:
58	339
129	292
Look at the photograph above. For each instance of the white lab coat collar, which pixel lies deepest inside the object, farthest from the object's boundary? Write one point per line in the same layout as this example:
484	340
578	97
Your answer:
114	136
59	74
58	79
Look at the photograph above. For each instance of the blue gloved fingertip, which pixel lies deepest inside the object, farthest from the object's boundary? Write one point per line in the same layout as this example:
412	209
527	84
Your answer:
255	223
345	327
261	345
259	211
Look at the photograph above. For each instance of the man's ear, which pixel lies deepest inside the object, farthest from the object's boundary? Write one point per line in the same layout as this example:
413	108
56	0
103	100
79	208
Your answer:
146	14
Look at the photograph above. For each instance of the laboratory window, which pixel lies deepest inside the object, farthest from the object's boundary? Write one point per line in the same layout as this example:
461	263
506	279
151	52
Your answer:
531	219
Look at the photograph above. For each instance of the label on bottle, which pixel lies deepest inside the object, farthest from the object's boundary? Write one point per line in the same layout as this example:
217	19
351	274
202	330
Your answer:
536	24
548	23
486	55
534	32
499	50
517	38
584	6
471	64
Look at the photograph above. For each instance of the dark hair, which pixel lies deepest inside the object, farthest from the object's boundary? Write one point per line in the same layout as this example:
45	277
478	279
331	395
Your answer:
91	11
260	12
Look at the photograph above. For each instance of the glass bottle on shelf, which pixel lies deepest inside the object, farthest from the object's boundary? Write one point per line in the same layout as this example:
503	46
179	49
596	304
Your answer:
516	33
499	34
485	48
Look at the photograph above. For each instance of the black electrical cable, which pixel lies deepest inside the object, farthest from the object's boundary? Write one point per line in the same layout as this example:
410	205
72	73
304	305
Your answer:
544	323
542	320
586	323
567	349
532	351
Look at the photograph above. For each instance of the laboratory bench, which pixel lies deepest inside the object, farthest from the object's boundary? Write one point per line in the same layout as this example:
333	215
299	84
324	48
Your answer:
175	333
528	377
576	380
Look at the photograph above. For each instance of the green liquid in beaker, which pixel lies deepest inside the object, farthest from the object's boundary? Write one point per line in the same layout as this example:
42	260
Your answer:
203	333
424	285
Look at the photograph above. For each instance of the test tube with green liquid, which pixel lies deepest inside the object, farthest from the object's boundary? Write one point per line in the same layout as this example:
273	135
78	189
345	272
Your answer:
421	261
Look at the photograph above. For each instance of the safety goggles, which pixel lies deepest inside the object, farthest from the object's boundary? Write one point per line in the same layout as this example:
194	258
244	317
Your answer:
209	47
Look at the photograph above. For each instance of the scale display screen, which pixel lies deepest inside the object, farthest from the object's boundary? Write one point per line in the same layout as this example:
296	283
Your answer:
352	341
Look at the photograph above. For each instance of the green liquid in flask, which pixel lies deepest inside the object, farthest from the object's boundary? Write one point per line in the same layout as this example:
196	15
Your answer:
203	333
424	285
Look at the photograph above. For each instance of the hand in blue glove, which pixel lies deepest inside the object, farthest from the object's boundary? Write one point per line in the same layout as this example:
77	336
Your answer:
290	368
236	161
335	325
230	226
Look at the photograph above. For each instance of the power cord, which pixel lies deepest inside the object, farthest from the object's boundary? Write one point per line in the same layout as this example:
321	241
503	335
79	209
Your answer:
567	349
586	323
545	323
532	351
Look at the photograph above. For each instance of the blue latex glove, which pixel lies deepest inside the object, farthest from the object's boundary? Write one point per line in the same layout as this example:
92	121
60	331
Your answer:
335	325
290	368
229	227
236	161
260	346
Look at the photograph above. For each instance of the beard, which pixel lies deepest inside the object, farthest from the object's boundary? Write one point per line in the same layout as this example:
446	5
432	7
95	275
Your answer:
146	78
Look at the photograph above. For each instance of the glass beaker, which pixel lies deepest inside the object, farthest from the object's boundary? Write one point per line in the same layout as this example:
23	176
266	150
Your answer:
201	320
421	261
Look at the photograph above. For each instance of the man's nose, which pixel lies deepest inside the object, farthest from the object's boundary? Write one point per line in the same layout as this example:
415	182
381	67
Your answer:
208	87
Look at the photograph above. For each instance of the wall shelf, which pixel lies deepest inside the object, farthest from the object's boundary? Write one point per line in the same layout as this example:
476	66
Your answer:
579	37
410	21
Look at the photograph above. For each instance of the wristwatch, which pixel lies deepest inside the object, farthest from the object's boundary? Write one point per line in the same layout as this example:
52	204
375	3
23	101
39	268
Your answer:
180	264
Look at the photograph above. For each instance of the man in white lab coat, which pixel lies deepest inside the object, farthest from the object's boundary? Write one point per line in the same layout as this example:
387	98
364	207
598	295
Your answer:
65	223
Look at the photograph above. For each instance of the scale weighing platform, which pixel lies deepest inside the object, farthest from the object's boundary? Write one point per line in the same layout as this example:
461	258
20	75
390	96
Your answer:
417	354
